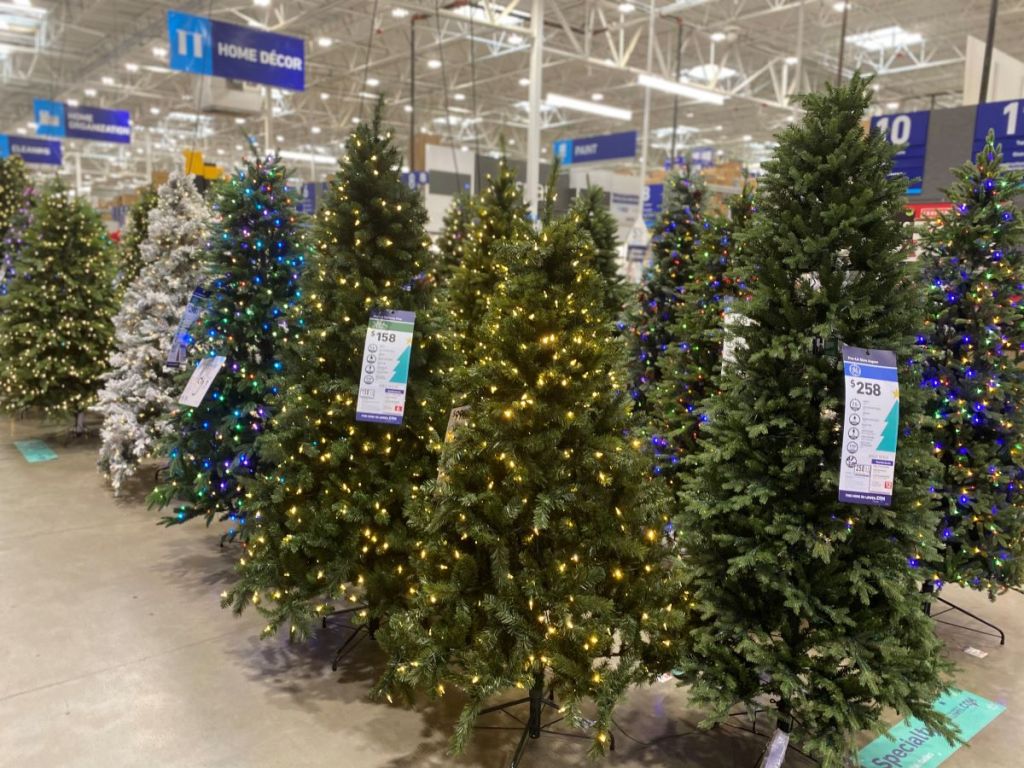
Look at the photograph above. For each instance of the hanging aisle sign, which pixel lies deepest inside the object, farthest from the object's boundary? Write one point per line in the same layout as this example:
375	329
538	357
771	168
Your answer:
909	131
202	378
871	422
1006	119
384	376
31	150
179	347
206	47
612	146
55	118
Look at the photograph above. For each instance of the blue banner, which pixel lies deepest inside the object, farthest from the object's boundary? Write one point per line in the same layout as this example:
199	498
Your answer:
1006	118
612	146
912	744
653	194
909	131
702	157
207	47
55	118
31	150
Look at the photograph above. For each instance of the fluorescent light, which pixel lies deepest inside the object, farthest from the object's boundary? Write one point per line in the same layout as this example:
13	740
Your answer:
154	110
840	6
434	63
681	5
72	102
626	7
524	81
324	96
747	137
567	102
710	72
238	147
680	89
279	137
309	157
515	39
159	51
399	13
261	3
717	37
90	92
792	60
315	129
459	96
597	97
131	66
885	37
107	80
892	105
407	108
373	82
220	151
239	121
324	42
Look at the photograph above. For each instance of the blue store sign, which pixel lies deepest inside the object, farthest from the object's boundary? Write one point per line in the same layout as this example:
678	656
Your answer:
55	118
207	47
653	194
1006	118
612	146
702	157
909	131
31	150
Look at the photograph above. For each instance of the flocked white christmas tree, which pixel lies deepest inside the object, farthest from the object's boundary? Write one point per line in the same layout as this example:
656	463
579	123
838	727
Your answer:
140	392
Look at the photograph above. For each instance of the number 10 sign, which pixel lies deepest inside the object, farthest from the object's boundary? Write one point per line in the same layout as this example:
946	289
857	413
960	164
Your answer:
384	375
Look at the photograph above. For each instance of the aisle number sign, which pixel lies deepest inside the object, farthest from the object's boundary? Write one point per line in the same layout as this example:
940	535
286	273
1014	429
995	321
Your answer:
384	375
1006	119
207	47
199	384
871	421
909	132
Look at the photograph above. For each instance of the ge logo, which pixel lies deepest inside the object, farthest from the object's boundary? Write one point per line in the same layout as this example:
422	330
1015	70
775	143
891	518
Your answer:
854	369
851	461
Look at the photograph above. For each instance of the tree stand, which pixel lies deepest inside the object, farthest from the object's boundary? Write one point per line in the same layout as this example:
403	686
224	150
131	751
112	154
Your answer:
78	430
929	588
356	634
534	726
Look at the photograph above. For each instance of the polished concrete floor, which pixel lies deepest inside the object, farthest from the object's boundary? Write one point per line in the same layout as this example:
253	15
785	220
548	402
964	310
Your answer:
114	652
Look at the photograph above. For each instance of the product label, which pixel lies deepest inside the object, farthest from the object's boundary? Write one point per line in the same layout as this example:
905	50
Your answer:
179	347
199	384
871	422
384	375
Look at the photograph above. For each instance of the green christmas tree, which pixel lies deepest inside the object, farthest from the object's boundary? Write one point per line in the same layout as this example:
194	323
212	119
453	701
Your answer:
329	513
255	256
541	553
798	601
14	203
974	335
55	329
591	211
456	230
135	232
501	218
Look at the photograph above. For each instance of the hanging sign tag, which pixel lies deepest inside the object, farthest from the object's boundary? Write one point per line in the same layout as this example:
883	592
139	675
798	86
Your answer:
384	375
871	423
202	378
179	347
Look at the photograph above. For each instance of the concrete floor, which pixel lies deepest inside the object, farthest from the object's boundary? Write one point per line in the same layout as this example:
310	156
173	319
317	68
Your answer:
114	652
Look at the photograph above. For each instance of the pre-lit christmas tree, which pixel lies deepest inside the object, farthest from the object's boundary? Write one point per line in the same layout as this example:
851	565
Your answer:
329	520
501	218
800	603
130	258
55	329
541	555
255	257
682	235
13	209
591	211
457	228
974	336
140	392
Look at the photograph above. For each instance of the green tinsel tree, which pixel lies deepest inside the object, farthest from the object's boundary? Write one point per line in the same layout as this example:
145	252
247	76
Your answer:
541	553
55	329
800	603
501	217
974	336
135	231
329	521
591	211
457	227
255	256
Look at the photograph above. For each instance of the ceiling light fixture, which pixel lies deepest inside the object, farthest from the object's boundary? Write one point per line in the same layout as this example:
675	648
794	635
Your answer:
131	66
717	37
159	51
373	82
681	5
597	97
239	121
524	81
90	92
154	110
791	60
324	42
399	13
434	63
579	105
324	96
261	3
459	96
892	105
315	129
680	89
884	38
626	7
107	80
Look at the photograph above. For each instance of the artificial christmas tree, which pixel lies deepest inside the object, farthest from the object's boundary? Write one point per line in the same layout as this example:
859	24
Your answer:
130	258
798	602
501	218
541	554
140	391
456	229
55	328
254	259
329	520
973	337
13	209
591	211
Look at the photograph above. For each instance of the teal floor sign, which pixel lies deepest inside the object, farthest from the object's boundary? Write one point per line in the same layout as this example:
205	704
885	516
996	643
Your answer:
35	450
912	745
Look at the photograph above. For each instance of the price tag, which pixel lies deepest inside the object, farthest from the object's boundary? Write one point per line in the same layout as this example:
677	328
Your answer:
456	419
179	347
202	378
384	376
871	422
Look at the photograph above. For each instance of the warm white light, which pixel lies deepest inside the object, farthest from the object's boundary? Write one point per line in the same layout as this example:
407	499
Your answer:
324	42
567	102
434	63
747	137
324	96
131	66
220	151
399	13
597	97
884	38
355	120
407	108
681	89
239	121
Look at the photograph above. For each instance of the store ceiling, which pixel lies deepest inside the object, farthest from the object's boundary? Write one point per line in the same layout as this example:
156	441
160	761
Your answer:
472	62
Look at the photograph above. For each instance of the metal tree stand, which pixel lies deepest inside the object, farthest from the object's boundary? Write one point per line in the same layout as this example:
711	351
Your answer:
533	726
356	634
929	588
